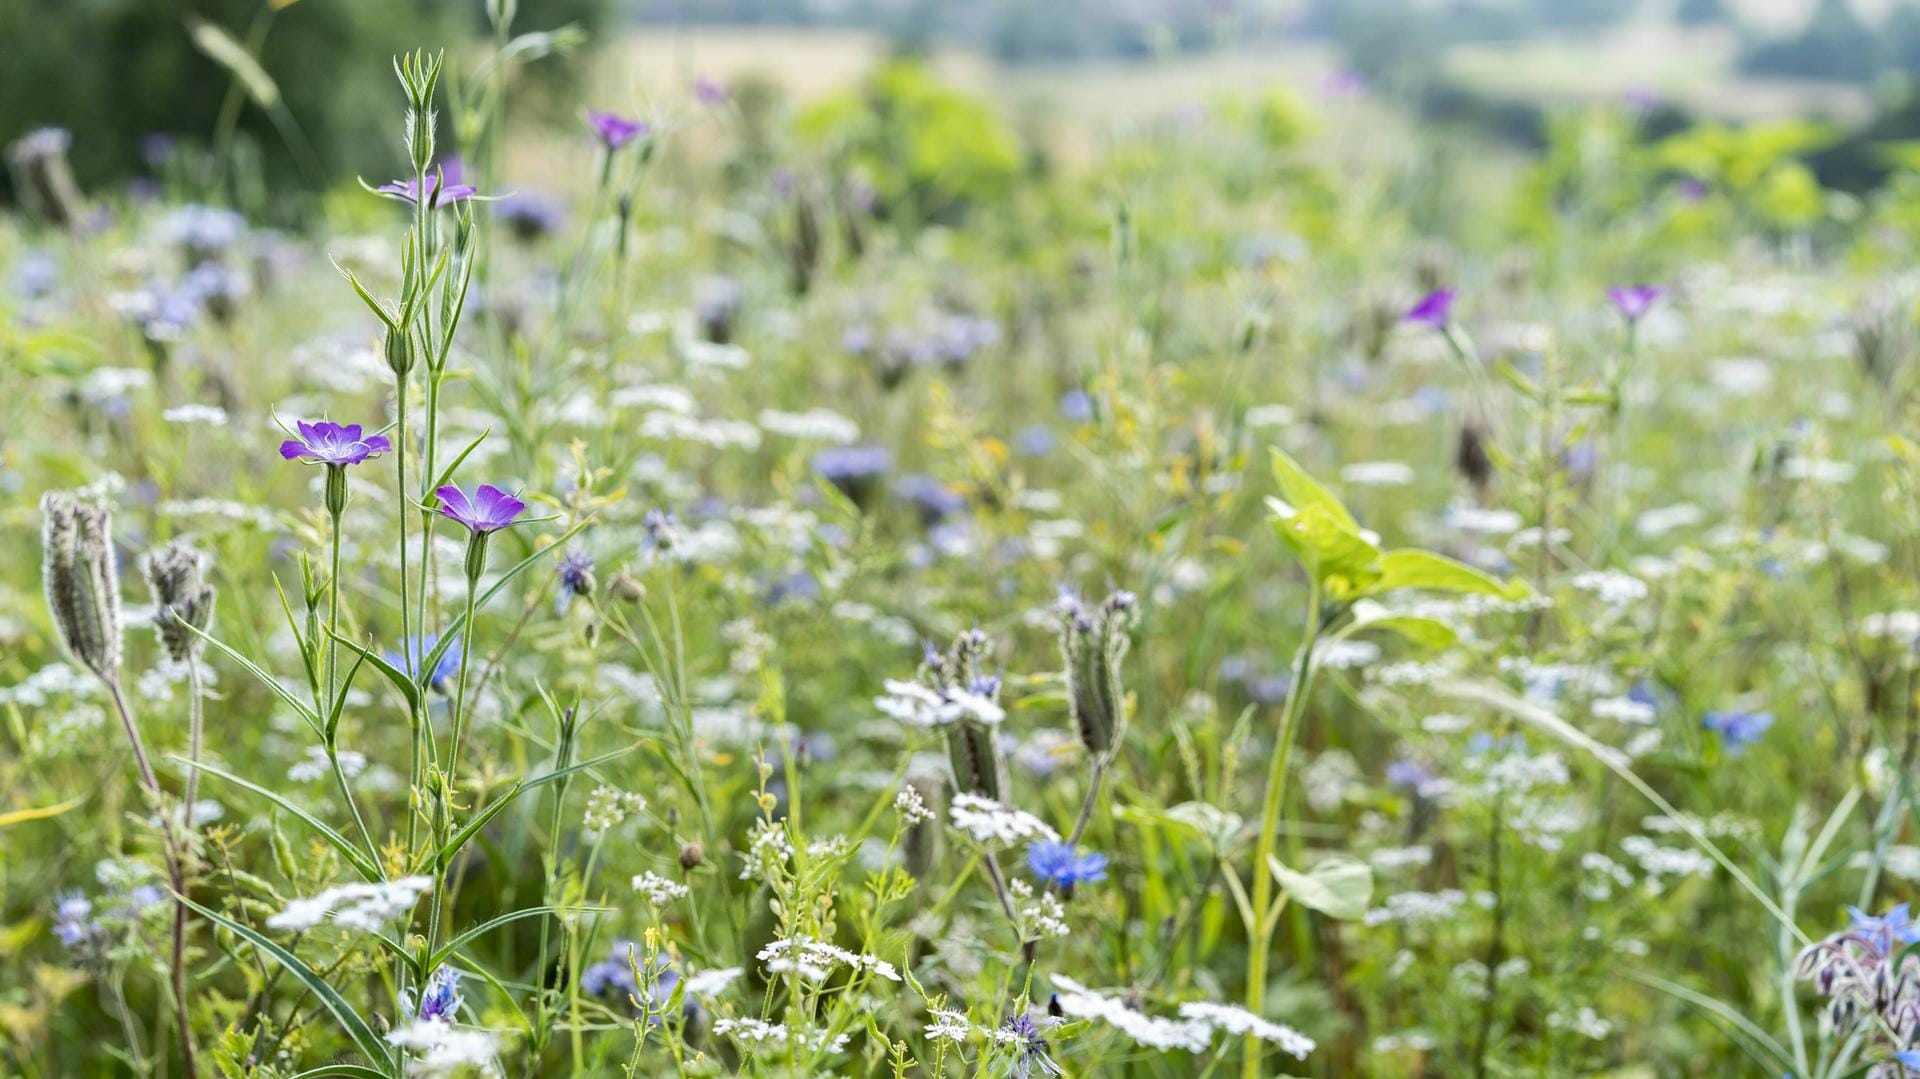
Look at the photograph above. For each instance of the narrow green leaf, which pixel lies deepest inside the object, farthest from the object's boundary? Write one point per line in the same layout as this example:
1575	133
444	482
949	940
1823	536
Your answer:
452	947
354	856
459	624
223	49
447	472
356	1027
400	679
304	710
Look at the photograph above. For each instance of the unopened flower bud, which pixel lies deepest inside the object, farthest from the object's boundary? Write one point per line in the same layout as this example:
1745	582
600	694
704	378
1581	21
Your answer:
626	588
336	490
691	856
83	587
398	349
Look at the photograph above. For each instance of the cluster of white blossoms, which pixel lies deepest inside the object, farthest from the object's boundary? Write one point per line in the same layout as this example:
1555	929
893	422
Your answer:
1238	1021
813	425
987	821
443	1051
750	1033
1044	916
658	890
608	806
366	907
1193	1031
917	705
911	807
815	959
950	1026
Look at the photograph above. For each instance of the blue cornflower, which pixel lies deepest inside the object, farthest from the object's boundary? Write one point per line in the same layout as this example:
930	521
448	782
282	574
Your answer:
443	672
1022	1036
1884	930
1737	729
1058	864
1908	1059
576	573
440	997
613	974
74	923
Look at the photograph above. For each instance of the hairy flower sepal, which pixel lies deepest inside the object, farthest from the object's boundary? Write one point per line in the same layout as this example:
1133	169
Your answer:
83	588
1092	643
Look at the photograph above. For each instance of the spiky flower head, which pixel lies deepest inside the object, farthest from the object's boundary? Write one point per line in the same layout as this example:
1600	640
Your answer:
83	586
1092	643
182	599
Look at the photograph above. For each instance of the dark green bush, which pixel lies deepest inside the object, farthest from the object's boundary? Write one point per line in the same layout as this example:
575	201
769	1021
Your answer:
115	71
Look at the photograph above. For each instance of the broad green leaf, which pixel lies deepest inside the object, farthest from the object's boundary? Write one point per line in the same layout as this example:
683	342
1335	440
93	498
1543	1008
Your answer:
1338	887
1338	555
356	1027
1421	630
1303	491
1211	823
354	855
1424	570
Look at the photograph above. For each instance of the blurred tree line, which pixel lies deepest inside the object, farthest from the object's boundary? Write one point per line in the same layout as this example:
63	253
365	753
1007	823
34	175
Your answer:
137	79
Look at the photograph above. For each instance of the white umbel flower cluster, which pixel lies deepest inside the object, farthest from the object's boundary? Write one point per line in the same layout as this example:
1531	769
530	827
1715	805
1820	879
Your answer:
815	959
440	1050
987	821
917	705
658	890
366	907
1193	1031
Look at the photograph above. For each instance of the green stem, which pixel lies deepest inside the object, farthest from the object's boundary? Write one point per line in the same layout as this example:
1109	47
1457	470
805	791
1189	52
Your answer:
1261	932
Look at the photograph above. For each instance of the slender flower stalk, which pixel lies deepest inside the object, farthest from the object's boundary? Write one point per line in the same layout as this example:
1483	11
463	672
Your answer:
83	592
1266	912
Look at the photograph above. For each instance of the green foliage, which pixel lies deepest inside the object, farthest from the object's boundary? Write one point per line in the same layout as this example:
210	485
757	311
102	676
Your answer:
931	152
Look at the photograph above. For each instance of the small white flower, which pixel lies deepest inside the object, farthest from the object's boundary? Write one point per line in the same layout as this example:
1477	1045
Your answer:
987	821
658	890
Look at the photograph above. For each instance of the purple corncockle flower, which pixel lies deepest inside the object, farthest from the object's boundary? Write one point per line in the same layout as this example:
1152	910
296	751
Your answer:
1738	729
440	997
616	131
1056	863
1434	310
1634	301
488	509
444	187
331	443
710	91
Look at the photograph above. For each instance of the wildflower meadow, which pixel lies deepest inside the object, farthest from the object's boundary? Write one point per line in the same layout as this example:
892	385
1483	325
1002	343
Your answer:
714	581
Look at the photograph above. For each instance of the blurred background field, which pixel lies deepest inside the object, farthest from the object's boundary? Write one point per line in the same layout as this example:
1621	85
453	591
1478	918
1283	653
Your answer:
866	365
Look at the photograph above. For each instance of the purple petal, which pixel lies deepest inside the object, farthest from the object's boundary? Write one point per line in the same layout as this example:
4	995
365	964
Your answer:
454	503
379	444
293	448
